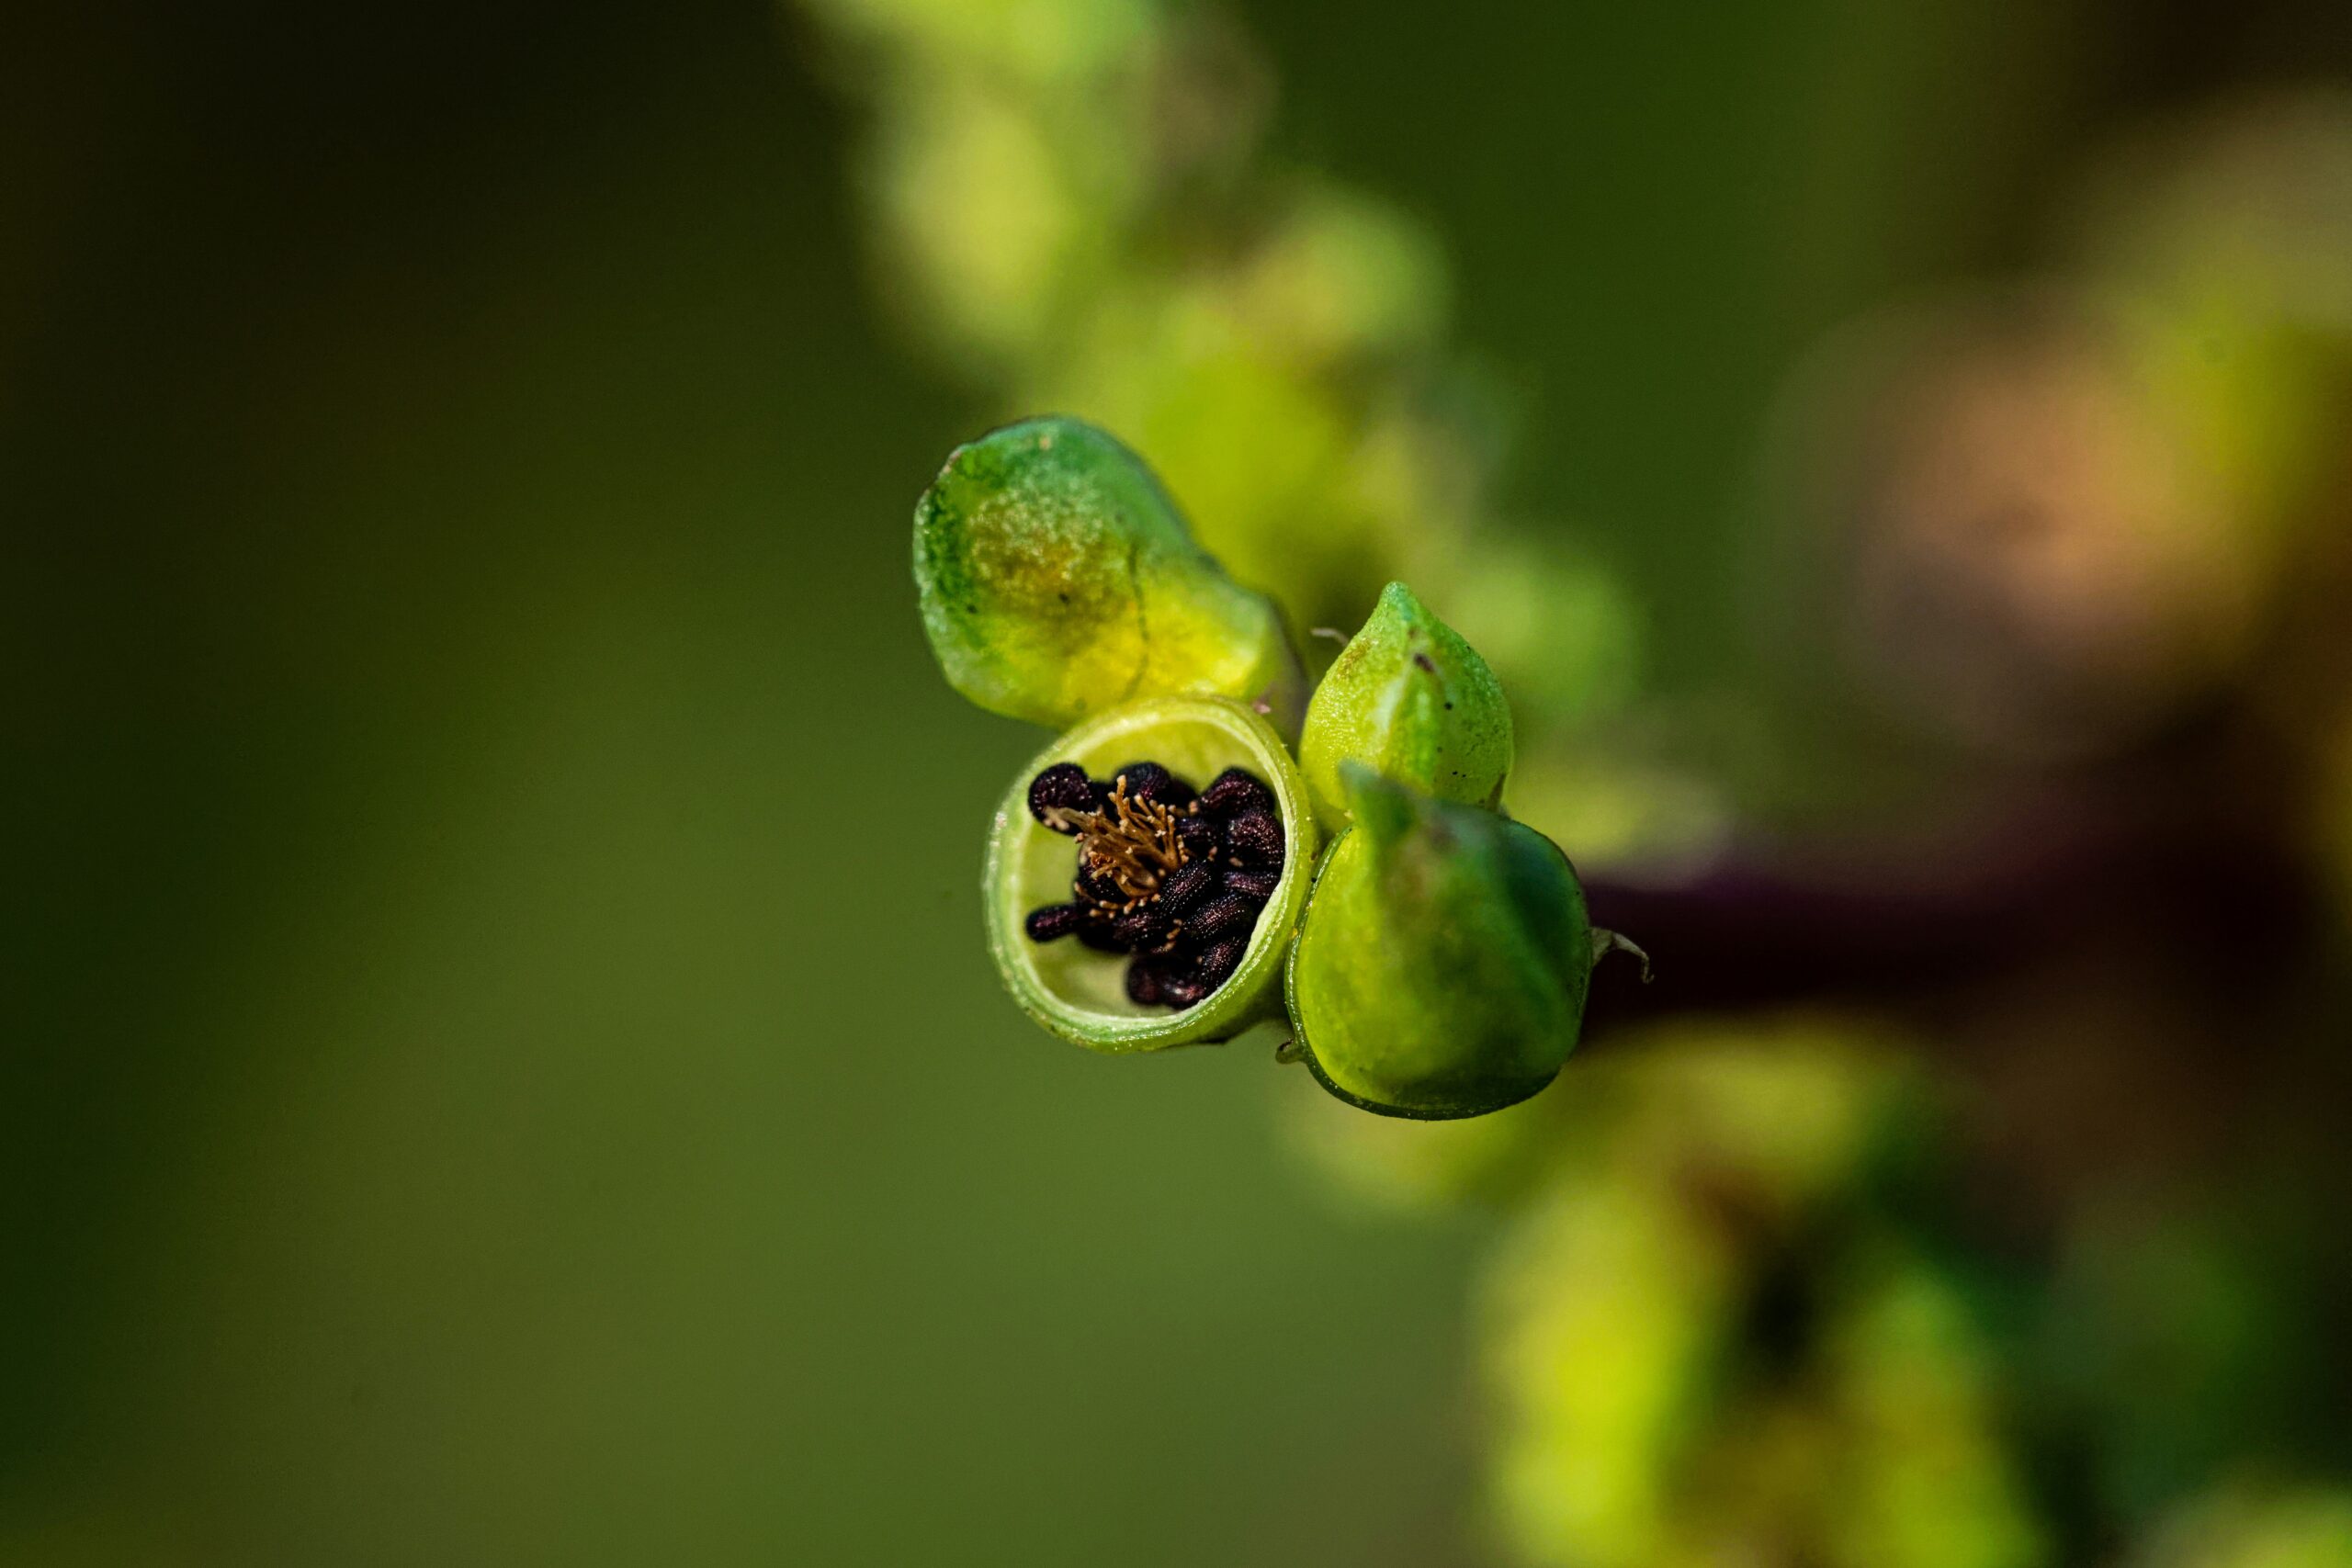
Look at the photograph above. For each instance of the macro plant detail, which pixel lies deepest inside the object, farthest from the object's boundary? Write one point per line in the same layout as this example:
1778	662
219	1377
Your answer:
511	1063
2047	562
1435	962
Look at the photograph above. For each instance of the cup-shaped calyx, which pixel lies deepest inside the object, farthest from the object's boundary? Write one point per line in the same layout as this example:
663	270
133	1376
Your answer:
1408	698
1058	579
1145	874
1442	968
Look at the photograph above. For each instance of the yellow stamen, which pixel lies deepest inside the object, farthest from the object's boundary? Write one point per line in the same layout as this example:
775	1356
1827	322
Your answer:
1134	843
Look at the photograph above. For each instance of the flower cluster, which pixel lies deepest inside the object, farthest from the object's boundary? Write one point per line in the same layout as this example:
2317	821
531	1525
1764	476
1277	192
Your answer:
1433	959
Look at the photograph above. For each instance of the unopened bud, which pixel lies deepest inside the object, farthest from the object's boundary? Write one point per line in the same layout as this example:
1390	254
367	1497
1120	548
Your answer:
1058	580
1409	699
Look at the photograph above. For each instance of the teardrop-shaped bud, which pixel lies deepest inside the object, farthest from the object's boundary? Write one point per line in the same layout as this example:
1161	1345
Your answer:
1409	699
1442	965
1058	579
1168	953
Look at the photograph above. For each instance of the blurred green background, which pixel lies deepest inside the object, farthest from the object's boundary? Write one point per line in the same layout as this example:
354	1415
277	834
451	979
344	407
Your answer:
502	1065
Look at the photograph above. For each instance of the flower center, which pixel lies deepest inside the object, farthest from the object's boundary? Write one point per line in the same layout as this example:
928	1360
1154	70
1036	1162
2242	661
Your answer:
1173	878
1130	843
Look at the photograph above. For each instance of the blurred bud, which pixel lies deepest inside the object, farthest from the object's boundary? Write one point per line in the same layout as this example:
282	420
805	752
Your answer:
1442	968
2227	235
989	225
1058	579
1782	1112
1415	703
1342	274
1603	1325
1175	764
2246	1526
1910	1391
1263	452
1705	1343
1041	44
2002	539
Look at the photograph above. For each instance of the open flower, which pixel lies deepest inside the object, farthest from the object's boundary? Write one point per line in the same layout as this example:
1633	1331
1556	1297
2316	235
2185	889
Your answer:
1128	910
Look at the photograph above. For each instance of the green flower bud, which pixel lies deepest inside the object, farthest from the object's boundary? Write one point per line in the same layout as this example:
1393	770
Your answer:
1146	875
1442	968
1412	700
1057	580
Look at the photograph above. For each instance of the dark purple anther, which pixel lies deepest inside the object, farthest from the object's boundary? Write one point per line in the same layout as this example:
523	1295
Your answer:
1186	885
1235	792
1184	987
1218	962
1255	840
1053	921
1228	912
1198	835
1149	781
1144	983
1257	885
1143	927
1095	932
1063	787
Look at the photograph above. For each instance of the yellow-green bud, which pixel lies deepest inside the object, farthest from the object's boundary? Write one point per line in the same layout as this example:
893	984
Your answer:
1058	579
1410	699
1442	968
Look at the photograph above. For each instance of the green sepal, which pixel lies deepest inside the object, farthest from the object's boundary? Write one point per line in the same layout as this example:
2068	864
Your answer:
1410	699
1057	579
1079	994
1442	968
